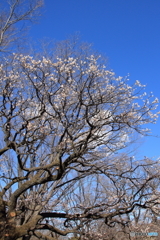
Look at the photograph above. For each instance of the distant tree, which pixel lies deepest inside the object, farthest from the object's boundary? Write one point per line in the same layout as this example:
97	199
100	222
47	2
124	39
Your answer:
13	15
64	122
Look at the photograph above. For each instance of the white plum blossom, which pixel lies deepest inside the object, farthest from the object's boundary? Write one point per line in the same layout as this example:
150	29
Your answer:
65	119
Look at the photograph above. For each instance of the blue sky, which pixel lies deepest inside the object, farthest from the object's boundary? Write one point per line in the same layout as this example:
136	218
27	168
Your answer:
126	31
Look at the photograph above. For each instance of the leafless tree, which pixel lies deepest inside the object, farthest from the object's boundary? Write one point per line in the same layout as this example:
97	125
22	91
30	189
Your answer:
129	198
12	19
65	120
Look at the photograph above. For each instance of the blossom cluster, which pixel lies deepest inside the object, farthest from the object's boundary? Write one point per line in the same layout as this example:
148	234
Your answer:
42	97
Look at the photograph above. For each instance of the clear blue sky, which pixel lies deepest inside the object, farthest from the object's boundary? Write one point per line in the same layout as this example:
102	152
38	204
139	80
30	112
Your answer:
126	31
